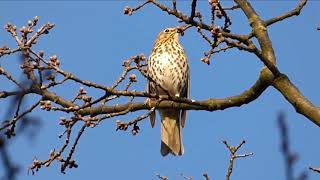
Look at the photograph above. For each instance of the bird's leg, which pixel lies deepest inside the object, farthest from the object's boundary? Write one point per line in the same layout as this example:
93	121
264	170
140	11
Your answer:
148	102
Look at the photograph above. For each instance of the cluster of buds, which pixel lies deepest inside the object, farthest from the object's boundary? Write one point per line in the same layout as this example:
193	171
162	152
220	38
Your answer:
82	91
1	70
133	78
10	132
25	31
33	22
121	125
27	67
135	130
88	120
64	122
45	105
127	10
82	95
3	50
138	59
36	64
41	53
142	57
124	126
59	158
51	77
213	3
126	63
45	29
86	99
36	165
216	31
54	61
11	29
206	60
52	153
89	123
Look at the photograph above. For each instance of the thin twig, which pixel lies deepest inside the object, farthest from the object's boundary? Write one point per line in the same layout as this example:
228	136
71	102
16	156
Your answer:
186	177
10	78
232	7
193	8
206	176
317	170
295	12
10	122
161	177
8	51
233	150
289	156
174	5
73	148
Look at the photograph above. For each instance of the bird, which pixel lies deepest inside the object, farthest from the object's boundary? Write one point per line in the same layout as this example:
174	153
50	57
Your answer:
168	74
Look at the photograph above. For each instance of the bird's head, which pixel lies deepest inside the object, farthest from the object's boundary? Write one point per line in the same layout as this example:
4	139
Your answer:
170	34
167	34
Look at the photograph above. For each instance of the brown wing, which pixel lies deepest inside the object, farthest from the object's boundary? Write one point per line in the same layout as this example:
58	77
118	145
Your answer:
150	89
185	94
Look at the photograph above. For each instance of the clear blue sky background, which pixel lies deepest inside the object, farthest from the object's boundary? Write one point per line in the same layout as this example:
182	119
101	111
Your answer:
93	38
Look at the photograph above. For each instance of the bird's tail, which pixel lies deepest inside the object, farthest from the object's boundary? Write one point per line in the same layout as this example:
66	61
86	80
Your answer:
170	133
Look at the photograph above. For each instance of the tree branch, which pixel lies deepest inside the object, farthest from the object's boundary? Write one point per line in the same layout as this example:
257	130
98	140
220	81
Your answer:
210	105
85	108
281	81
233	150
297	100
295	12
260	32
317	170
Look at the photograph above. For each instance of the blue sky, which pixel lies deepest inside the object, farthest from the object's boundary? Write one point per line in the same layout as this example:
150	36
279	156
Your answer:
92	39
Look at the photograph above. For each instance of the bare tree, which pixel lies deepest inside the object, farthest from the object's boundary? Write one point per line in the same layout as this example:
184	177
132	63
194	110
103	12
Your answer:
44	73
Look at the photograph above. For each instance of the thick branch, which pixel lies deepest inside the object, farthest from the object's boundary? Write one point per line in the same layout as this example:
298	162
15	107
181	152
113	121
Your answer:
210	105
260	32
297	100
46	95
281	81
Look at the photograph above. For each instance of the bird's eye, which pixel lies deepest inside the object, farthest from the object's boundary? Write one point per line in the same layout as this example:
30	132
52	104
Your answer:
166	30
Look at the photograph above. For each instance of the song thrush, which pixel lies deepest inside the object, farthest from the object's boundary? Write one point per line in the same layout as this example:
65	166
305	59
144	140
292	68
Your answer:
168	72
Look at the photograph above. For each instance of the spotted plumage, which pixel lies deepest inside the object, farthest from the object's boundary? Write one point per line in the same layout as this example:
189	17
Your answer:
168	70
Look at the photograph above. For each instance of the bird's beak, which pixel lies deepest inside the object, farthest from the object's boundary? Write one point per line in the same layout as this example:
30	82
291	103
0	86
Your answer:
181	29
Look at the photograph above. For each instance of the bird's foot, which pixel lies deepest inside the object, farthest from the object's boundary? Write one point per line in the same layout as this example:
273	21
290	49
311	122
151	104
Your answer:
148	102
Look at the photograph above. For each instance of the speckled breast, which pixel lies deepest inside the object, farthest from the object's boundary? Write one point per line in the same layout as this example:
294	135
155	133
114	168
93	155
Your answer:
168	67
